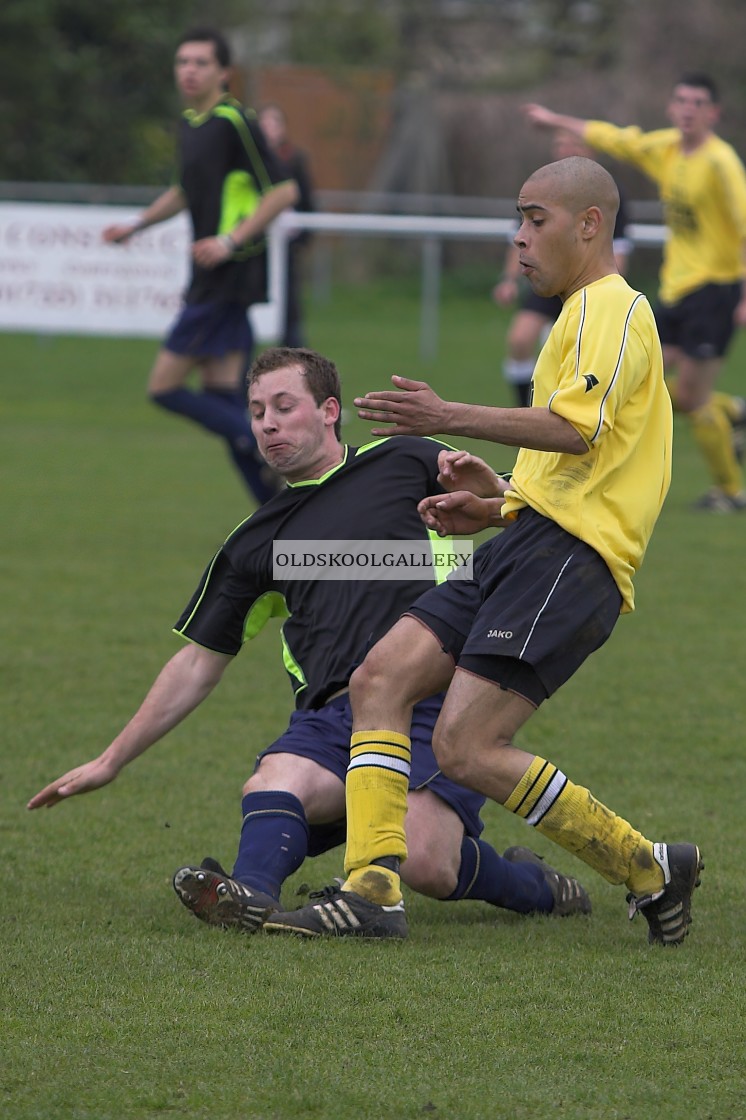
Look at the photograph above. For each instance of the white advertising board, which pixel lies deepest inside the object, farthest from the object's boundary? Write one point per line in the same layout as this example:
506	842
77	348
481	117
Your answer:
58	276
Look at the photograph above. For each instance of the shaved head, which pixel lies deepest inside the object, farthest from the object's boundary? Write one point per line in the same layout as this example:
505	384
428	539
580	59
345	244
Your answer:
568	210
577	183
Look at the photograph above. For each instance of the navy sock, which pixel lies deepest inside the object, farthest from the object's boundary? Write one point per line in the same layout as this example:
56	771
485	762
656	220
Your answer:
485	875
223	412
274	840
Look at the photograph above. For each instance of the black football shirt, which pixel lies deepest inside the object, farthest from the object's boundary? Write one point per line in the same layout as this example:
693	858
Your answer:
329	625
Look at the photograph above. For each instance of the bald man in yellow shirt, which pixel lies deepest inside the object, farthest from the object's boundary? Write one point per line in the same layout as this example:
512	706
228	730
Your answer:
589	481
702	184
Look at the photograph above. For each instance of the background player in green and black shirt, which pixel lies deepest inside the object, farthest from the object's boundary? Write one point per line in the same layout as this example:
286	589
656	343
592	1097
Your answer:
228	181
294	804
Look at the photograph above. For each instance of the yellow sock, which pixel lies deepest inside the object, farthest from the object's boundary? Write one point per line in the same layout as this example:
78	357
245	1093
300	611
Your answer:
570	816
713	432
376	793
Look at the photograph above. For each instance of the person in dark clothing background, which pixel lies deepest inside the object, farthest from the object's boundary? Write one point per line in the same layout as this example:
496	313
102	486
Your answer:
291	163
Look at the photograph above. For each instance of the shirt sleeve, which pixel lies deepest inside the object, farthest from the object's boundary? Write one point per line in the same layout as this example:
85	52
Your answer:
228	606
632	145
603	361
733	178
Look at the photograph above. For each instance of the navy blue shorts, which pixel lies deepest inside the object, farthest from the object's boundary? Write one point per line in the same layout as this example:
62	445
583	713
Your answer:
701	324
540	602
211	330
323	735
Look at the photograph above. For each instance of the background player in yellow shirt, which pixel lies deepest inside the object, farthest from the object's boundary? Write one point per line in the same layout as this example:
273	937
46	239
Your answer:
587	488
702	185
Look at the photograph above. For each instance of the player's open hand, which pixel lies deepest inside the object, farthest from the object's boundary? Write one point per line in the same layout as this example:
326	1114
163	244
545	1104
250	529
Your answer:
460	470
459	514
416	410
92	775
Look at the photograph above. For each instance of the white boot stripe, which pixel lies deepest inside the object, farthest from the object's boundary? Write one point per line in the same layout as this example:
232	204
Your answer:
352	921
336	914
324	917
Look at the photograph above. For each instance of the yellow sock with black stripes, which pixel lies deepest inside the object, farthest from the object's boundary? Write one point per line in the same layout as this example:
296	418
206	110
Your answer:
376	794
713	432
571	816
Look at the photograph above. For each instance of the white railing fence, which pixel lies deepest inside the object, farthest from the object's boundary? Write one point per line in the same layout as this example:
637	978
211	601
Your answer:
431	231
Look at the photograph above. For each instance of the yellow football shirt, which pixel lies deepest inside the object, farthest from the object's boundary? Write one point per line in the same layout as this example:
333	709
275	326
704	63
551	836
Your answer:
602	370
704	201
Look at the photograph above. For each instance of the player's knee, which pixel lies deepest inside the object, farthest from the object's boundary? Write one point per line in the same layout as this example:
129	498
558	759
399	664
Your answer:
273	773
522	343
252	785
429	871
370	679
448	746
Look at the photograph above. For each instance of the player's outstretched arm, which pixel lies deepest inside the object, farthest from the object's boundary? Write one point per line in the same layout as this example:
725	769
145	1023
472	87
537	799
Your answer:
167	205
542	117
182	684
417	410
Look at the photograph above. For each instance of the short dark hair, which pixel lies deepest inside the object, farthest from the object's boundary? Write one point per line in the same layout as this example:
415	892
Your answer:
320	373
697	80
209	35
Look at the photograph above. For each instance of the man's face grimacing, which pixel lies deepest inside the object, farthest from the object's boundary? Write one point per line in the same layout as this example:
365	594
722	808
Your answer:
548	239
294	434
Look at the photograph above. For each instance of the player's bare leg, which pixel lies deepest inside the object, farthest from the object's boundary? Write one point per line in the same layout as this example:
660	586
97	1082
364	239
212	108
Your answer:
473	743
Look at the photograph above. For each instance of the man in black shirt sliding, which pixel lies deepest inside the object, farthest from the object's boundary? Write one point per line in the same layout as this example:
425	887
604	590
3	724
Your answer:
294	803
